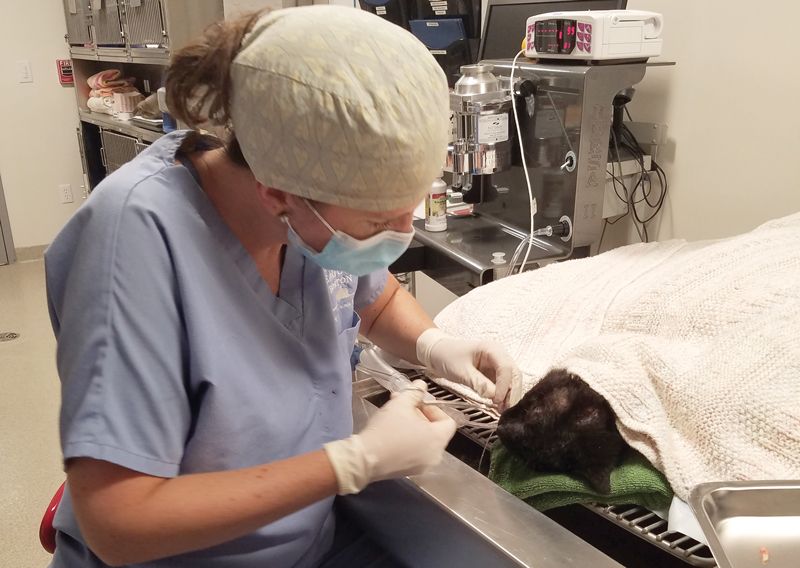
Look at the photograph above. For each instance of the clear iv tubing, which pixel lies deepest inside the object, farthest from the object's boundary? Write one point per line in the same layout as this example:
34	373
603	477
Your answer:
543	232
527	175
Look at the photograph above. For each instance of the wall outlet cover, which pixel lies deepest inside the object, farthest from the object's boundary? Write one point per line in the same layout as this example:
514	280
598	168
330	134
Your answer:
24	73
65	192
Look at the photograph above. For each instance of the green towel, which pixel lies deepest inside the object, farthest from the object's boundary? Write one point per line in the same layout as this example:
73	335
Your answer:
634	482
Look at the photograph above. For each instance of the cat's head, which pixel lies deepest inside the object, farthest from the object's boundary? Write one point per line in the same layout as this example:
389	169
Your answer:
561	425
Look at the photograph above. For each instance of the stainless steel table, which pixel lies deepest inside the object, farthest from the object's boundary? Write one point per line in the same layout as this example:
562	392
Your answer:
454	516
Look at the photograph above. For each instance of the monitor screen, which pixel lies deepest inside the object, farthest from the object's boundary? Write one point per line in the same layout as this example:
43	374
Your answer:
504	28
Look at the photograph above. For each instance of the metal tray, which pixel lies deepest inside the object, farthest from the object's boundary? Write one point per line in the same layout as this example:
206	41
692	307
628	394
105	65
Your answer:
154	124
637	520
750	523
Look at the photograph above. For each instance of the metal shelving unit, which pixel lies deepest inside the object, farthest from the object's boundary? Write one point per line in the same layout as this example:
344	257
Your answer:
138	36
133	29
108	122
118	149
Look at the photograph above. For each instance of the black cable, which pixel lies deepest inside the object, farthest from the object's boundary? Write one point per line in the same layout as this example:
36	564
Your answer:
644	183
643	189
617	180
643	177
629	199
658	204
603	234
614	181
639	157
628	113
662	180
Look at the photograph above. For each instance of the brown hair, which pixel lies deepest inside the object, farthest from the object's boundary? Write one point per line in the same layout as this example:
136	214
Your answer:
198	80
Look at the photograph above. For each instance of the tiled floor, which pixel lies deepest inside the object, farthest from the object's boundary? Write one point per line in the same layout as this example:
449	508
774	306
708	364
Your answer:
30	459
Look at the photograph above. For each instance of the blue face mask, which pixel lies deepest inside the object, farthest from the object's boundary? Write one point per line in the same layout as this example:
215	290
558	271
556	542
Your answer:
348	254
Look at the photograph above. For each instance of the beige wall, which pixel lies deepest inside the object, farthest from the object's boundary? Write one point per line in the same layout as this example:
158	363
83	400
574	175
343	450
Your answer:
233	7
38	148
733	118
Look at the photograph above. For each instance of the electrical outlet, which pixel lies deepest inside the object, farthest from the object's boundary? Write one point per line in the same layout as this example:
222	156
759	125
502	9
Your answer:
65	191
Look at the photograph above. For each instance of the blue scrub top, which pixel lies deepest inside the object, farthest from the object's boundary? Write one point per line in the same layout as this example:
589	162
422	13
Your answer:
175	356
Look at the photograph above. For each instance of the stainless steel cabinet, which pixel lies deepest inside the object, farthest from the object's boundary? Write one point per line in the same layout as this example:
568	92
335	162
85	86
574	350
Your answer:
105	147
118	149
77	13
136	29
145	19
107	22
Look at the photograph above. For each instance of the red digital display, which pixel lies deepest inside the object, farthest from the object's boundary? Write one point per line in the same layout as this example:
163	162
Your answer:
555	36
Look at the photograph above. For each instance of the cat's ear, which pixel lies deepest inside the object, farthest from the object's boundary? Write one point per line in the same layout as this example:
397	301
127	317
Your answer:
599	478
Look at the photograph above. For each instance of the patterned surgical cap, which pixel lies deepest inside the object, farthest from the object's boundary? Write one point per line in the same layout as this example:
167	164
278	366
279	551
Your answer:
341	106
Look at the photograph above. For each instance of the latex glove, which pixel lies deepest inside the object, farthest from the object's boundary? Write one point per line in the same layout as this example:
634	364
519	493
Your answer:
484	366
401	438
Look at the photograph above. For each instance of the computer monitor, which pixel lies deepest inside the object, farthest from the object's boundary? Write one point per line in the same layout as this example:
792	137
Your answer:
504	26
396	11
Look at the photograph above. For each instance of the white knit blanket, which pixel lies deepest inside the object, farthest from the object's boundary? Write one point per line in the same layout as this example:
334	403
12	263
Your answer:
695	346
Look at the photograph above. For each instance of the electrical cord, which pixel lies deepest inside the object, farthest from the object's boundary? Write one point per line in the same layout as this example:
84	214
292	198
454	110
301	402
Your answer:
646	182
630	142
618	180
628	195
627	112
643	190
603	234
633	145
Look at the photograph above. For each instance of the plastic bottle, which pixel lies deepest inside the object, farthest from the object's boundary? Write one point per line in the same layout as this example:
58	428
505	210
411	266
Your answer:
436	207
501	266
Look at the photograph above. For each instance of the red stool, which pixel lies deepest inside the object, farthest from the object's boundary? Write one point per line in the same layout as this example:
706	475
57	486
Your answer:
47	534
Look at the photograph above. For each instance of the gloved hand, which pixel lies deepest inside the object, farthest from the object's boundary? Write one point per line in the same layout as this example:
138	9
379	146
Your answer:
484	366
401	438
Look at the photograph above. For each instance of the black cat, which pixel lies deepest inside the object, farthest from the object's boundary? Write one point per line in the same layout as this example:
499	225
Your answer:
561	425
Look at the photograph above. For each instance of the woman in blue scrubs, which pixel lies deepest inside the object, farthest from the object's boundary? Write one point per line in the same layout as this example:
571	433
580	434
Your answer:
207	297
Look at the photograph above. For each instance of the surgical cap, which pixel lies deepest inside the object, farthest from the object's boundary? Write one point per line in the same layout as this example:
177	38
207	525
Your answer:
340	106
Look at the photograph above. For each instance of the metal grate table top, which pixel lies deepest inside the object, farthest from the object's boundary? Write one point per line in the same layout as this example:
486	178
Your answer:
635	519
